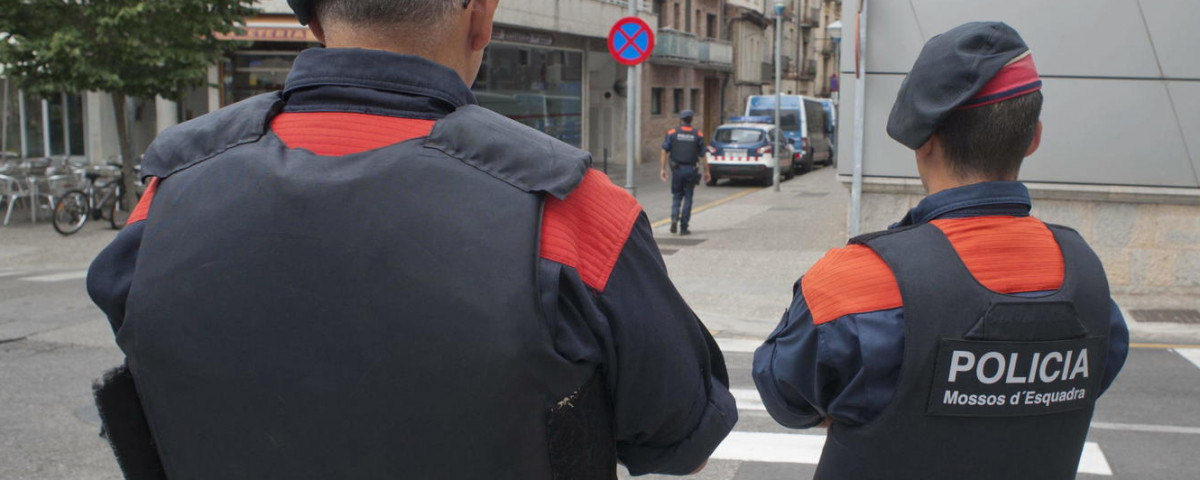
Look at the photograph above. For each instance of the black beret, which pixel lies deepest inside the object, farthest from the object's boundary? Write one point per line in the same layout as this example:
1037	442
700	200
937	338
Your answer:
951	71
303	9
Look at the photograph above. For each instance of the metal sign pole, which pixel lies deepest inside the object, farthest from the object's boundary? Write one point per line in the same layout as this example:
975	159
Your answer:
860	89
631	96
778	80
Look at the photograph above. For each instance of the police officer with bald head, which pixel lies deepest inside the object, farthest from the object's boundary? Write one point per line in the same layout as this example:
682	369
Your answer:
683	151
367	275
969	340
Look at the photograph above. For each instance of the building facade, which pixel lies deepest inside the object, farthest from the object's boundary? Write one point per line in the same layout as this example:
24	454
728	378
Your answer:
1120	153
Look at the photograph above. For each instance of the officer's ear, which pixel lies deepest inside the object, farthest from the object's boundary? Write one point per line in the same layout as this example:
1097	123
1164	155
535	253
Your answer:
482	13
1037	140
317	29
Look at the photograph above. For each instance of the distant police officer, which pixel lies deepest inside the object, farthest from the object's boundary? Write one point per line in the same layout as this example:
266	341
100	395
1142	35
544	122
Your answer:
684	148
970	340
368	276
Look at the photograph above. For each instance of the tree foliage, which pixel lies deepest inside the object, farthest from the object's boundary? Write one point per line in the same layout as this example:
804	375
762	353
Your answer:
139	48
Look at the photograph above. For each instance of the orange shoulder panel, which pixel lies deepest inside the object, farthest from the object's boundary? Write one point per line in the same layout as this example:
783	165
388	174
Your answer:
1007	254
588	230
849	280
142	210
671	131
339	133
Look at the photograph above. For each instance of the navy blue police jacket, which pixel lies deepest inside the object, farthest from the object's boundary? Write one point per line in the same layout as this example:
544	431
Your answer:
367	275
837	351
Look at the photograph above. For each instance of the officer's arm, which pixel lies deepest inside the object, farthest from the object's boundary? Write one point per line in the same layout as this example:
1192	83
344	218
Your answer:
667	375
1118	346
838	350
111	273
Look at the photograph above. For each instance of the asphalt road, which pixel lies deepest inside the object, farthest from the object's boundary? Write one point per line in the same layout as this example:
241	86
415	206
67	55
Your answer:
53	343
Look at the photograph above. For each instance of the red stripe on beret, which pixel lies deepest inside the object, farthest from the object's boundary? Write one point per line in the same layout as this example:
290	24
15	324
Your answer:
1018	78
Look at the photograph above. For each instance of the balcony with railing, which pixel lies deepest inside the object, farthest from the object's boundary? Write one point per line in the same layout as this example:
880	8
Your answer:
673	47
715	53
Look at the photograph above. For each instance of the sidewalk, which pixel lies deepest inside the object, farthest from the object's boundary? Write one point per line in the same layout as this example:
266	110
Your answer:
738	268
26	246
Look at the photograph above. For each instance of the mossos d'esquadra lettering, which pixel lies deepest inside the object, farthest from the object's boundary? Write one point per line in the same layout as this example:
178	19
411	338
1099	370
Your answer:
994	367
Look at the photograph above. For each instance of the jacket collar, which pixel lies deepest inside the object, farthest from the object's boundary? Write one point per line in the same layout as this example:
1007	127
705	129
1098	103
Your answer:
373	81
978	199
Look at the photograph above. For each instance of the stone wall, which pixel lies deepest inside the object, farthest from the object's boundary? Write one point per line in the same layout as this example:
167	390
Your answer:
1149	242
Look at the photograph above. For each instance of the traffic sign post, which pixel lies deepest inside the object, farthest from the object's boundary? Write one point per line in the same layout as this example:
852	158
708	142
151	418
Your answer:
631	42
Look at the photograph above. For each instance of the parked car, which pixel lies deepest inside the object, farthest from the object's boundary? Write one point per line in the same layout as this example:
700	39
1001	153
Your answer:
744	149
803	121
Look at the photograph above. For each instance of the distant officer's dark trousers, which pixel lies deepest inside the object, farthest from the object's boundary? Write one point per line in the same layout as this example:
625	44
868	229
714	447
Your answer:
684	179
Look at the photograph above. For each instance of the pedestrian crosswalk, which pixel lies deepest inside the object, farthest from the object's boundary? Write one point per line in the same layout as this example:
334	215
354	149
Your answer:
804	447
1191	354
56	277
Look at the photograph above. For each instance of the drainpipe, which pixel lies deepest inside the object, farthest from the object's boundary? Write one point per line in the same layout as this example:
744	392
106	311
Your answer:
860	87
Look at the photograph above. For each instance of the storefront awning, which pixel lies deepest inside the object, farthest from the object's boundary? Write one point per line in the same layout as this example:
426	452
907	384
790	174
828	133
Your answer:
272	34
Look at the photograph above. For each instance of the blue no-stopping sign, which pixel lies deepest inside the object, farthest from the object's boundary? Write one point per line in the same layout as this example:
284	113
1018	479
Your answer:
631	41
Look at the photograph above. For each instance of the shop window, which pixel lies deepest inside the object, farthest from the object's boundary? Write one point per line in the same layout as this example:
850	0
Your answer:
678	107
656	101
262	68
10	139
539	87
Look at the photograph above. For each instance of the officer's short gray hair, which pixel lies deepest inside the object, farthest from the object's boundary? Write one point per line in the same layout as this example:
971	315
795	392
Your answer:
386	14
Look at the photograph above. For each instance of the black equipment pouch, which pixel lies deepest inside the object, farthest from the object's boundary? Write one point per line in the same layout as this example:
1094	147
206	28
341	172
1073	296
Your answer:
125	426
579	431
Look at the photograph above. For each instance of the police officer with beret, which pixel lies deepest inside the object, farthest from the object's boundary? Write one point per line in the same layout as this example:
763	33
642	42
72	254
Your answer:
368	276
969	340
684	148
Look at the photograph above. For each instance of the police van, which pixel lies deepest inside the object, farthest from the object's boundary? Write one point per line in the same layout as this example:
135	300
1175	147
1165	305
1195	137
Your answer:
804	124
744	149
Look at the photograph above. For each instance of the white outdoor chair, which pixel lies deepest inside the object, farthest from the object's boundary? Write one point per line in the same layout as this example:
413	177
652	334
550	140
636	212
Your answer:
11	190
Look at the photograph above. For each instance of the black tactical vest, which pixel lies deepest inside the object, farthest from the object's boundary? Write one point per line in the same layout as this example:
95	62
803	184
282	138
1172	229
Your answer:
992	386
370	316
685	146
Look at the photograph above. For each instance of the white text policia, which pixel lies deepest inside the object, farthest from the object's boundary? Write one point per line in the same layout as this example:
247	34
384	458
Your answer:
993	367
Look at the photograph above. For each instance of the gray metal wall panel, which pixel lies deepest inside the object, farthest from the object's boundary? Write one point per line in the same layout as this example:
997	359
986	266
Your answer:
1063	34
1173	28
1110	132
1099	130
1186	96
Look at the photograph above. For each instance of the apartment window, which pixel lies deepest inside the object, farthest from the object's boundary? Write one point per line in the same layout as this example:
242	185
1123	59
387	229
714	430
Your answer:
712	26
677	18
660	9
656	100
696	26
678	100
696	99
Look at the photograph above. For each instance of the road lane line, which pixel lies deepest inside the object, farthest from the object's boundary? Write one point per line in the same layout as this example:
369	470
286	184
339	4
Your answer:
806	449
1191	354
1137	427
1092	460
57	277
709	205
747	399
1163	346
771	447
738	345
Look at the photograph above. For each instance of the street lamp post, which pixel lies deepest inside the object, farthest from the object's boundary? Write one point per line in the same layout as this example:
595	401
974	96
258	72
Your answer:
779	7
835	33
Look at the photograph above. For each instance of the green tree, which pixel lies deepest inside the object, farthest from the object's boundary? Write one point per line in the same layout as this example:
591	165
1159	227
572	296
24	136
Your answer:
128	48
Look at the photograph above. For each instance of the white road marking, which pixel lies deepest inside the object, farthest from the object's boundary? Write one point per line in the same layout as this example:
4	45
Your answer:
10	273
738	345
57	277
1191	354
806	449
771	447
1137	427
1092	460
747	399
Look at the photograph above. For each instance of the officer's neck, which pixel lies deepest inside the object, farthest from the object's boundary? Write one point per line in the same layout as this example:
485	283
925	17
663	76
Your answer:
938	173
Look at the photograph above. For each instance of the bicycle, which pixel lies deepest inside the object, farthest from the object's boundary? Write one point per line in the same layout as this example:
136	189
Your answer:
96	201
